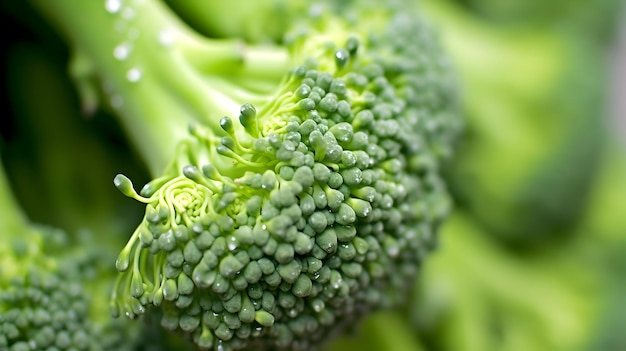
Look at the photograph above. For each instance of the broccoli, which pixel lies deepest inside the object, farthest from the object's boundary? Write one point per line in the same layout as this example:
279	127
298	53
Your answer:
53	294
297	181
534	134
565	297
597	19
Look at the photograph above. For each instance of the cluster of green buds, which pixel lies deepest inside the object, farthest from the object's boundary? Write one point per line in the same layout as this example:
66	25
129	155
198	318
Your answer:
316	208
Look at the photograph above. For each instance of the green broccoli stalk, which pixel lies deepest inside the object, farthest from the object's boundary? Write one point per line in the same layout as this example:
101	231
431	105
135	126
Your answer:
301	187
53	295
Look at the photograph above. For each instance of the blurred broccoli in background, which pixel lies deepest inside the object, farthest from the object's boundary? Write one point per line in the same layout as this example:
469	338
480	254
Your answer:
532	257
534	100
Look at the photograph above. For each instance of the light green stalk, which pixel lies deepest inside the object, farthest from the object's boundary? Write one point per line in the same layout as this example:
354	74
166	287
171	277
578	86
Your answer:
156	73
11	217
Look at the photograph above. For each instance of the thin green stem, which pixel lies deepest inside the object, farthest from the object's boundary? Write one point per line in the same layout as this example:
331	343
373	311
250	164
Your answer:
12	219
156	73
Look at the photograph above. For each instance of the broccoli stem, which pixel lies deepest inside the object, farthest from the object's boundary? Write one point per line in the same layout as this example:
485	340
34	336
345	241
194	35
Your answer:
158	75
12	219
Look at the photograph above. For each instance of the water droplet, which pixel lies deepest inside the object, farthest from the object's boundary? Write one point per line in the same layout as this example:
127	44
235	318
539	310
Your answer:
120	26
134	75
133	33
108	86
113	6
166	38
121	51
316	10
293	313
232	243
117	101
128	13
393	251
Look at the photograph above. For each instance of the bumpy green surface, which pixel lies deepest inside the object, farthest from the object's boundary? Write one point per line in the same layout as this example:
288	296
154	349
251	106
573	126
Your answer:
50	302
316	208
52	294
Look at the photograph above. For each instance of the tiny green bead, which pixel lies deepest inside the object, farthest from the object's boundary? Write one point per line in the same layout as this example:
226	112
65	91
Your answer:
124	185
230	266
204	240
351	269
338	87
279	225
319	197
221	285
170	290
327	240
270	247
137	286
219	246
203	276
313	264
239	283
224	332
305	176
303	286
188	323
266	265
211	319
273	279
307	104
233	305
185	284
232	321
210	260
328	103
284	253
191	253
352	176
346	215
184	301
289	271
335	198
167	241
335	180
303	244
255	291
176	258
252	272
264	318
205	339
318	222
260	234
246	313
227	124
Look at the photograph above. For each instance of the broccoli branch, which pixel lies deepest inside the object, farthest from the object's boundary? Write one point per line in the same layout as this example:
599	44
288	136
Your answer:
11	217
157	74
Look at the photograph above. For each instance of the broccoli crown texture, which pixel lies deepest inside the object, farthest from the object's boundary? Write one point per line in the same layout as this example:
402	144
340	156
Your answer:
301	187
314	207
51	299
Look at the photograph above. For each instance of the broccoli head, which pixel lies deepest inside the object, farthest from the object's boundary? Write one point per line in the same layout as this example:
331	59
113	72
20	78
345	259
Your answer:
301	187
53	295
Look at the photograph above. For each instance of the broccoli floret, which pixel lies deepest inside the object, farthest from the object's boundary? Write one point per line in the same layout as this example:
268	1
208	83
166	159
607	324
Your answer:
53	295
302	185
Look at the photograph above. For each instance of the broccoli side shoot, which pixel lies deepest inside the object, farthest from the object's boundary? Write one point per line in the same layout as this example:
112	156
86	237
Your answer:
52	297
